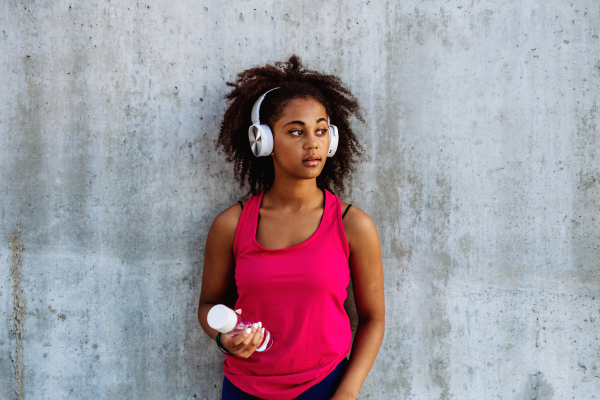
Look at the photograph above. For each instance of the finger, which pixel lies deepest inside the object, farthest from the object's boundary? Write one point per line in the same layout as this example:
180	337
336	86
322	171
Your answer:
239	311
250	336
239	339
258	338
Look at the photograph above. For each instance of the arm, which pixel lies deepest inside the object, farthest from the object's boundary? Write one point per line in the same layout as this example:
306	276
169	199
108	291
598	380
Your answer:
367	277
218	281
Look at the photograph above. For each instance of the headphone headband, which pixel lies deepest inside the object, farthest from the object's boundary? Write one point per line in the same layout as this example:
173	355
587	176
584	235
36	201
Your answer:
256	107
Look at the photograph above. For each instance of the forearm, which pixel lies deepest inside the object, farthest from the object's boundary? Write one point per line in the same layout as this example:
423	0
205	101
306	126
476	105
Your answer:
369	335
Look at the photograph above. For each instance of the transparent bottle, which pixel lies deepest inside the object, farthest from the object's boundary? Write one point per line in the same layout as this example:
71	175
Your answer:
227	321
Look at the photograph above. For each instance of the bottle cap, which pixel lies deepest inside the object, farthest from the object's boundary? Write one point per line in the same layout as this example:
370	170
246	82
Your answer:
222	318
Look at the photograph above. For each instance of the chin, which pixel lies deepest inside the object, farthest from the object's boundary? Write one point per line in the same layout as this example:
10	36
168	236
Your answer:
311	176
307	174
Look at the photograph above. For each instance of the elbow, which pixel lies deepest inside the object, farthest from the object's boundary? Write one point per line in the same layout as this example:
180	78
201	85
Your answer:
375	321
373	327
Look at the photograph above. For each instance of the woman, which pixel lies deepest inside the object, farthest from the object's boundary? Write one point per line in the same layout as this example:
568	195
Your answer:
290	249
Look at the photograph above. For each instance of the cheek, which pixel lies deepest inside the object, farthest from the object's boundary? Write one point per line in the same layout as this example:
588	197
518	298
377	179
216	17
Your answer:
286	146
284	154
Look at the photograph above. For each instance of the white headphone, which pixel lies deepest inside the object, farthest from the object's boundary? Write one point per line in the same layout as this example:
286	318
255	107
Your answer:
261	137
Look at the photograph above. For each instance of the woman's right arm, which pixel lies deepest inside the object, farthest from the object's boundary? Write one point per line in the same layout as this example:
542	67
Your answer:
217	278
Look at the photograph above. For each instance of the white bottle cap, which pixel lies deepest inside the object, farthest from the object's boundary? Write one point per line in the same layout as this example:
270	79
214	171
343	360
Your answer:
222	318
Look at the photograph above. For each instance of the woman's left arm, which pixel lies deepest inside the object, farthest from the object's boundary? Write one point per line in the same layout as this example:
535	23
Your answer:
367	279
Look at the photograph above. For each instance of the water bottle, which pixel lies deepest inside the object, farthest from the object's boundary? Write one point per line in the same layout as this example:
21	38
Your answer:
227	321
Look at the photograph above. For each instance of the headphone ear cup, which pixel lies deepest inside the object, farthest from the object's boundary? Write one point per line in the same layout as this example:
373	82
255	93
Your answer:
261	140
333	140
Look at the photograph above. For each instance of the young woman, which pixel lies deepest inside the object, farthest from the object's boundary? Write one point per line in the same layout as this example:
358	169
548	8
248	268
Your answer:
287	253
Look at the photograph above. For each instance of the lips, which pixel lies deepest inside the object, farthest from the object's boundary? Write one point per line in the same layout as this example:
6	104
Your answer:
311	158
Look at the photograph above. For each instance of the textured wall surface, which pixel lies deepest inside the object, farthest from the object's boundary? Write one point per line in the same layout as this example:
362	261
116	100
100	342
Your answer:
483	180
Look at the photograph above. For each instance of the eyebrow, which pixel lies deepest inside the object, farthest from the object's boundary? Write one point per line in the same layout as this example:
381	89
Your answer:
302	123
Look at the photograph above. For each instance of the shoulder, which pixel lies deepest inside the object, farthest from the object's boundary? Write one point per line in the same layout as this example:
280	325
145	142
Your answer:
358	225
226	222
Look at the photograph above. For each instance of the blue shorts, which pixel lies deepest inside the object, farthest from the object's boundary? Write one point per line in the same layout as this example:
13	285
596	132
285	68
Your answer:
321	391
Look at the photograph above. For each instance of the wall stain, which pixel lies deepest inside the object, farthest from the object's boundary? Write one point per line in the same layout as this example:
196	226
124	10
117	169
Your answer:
537	388
19	304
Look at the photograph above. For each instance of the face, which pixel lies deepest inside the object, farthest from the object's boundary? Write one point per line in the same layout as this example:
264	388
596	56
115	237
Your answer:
301	139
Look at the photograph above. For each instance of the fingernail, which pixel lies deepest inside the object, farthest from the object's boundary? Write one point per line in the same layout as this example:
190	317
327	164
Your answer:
260	324
263	331
239	310
255	325
248	330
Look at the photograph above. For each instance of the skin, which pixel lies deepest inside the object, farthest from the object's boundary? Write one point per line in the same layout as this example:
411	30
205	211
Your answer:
290	214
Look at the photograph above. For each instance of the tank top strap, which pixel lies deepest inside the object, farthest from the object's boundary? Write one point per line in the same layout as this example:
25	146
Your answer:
333	213
247	222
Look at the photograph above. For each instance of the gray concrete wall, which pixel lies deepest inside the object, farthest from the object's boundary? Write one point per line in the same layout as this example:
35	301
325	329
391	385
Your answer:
484	181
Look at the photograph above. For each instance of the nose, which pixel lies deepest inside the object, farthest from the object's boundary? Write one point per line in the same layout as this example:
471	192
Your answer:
311	142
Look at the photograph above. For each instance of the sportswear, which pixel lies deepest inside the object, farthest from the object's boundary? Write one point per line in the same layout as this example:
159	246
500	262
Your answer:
298	294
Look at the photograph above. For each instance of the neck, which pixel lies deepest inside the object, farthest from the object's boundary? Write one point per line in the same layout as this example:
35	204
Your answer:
296	193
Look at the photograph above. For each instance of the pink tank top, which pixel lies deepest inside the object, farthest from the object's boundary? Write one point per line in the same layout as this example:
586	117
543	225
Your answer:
298	294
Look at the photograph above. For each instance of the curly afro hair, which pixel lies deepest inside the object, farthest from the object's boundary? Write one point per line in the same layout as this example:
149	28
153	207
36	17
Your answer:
294	81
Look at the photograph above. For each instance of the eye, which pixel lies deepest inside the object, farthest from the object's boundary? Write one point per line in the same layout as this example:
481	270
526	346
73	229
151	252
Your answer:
296	132
323	131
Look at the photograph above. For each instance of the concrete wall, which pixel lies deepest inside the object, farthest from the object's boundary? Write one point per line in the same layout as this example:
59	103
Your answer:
484	181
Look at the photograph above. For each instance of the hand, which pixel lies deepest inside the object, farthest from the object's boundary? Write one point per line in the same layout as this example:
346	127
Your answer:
244	344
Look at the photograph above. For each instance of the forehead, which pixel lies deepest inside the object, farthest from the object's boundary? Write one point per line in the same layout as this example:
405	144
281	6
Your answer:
307	108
